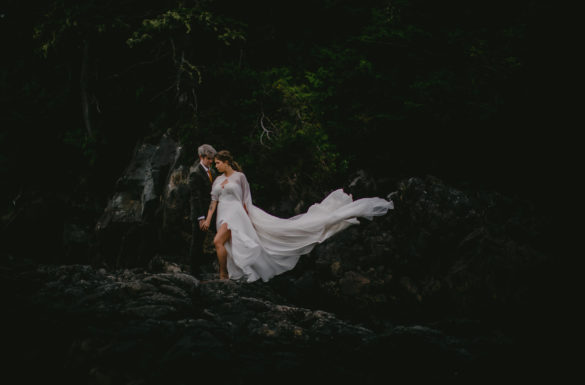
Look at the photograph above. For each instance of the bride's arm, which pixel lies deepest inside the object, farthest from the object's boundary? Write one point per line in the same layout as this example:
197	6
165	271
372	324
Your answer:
212	207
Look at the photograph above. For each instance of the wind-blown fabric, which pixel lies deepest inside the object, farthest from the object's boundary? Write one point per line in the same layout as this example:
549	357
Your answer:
262	245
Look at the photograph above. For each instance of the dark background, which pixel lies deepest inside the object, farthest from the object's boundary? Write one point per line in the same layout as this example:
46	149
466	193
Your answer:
305	94
471	92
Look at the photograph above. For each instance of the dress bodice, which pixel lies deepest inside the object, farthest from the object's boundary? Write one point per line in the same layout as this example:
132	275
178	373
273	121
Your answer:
227	191
231	189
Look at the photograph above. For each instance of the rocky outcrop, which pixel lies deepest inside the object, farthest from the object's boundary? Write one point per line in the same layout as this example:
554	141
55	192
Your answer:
78	324
128	231
451	285
442	252
175	225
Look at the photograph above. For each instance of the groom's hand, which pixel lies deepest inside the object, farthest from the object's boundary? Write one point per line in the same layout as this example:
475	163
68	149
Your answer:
202	225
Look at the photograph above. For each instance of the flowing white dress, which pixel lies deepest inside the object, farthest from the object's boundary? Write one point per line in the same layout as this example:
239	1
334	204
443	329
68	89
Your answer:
262	245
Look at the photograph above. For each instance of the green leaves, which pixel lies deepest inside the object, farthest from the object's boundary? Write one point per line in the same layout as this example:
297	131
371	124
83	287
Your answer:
303	89
185	20
295	123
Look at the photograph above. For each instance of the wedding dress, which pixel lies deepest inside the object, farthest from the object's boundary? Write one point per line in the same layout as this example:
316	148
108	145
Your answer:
262	245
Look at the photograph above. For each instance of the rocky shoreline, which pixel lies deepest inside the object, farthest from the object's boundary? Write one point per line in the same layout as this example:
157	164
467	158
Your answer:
453	284
78	324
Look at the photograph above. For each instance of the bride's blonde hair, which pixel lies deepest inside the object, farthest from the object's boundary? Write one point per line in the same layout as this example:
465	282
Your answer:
226	156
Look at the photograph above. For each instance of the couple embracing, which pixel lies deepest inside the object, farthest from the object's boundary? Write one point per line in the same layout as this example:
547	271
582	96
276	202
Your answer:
250	243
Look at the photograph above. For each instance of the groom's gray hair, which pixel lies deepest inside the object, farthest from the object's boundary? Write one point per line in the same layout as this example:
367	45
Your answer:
206	150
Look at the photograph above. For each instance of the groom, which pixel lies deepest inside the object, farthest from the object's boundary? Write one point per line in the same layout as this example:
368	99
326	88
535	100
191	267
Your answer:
200	181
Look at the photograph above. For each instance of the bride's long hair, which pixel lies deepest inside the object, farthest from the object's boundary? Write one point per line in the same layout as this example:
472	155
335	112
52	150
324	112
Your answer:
226	156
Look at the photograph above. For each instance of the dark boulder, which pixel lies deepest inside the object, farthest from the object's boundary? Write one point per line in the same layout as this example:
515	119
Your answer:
79	324
442	252
128	231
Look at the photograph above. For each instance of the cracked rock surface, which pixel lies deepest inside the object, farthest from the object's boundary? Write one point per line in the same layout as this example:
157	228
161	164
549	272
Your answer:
81	325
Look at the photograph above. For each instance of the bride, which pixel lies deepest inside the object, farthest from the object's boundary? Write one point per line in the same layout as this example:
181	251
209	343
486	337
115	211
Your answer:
253	244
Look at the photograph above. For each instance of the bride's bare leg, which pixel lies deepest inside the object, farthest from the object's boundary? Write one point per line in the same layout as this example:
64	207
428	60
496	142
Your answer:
222	236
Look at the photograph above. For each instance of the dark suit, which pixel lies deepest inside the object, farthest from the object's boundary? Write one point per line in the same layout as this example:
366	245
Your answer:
200	200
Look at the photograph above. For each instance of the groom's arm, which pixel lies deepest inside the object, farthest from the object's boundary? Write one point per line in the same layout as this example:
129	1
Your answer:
197	188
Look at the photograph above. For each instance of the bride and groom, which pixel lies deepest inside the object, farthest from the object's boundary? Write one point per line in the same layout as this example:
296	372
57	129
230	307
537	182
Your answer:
250	243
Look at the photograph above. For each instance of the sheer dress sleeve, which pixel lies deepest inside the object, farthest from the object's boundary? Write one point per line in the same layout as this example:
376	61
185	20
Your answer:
246	194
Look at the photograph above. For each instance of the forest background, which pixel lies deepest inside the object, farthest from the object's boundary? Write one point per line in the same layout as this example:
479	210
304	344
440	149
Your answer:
303	93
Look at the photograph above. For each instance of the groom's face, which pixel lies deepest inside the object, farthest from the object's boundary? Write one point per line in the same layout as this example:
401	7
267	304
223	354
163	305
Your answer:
206	161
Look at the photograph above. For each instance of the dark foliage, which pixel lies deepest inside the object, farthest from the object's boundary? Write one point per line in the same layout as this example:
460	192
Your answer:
403	87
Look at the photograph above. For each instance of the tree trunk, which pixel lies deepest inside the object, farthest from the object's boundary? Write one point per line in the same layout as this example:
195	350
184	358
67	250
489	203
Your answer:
83	83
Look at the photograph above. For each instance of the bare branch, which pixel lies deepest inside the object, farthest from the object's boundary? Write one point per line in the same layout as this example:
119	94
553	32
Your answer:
83	86
300	118
95	101
174	51
194	104
162	92
179	73
265	131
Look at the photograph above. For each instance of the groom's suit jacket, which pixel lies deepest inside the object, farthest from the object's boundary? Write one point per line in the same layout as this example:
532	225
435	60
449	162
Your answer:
200	186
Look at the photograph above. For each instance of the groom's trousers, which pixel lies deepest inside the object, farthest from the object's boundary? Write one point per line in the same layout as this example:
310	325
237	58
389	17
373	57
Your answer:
197	255
196	248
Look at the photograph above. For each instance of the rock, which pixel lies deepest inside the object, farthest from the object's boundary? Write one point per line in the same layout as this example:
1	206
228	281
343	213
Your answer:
160	265
450	285
353	283
128	229
84	324
361	185
77	242
442	251
175	231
